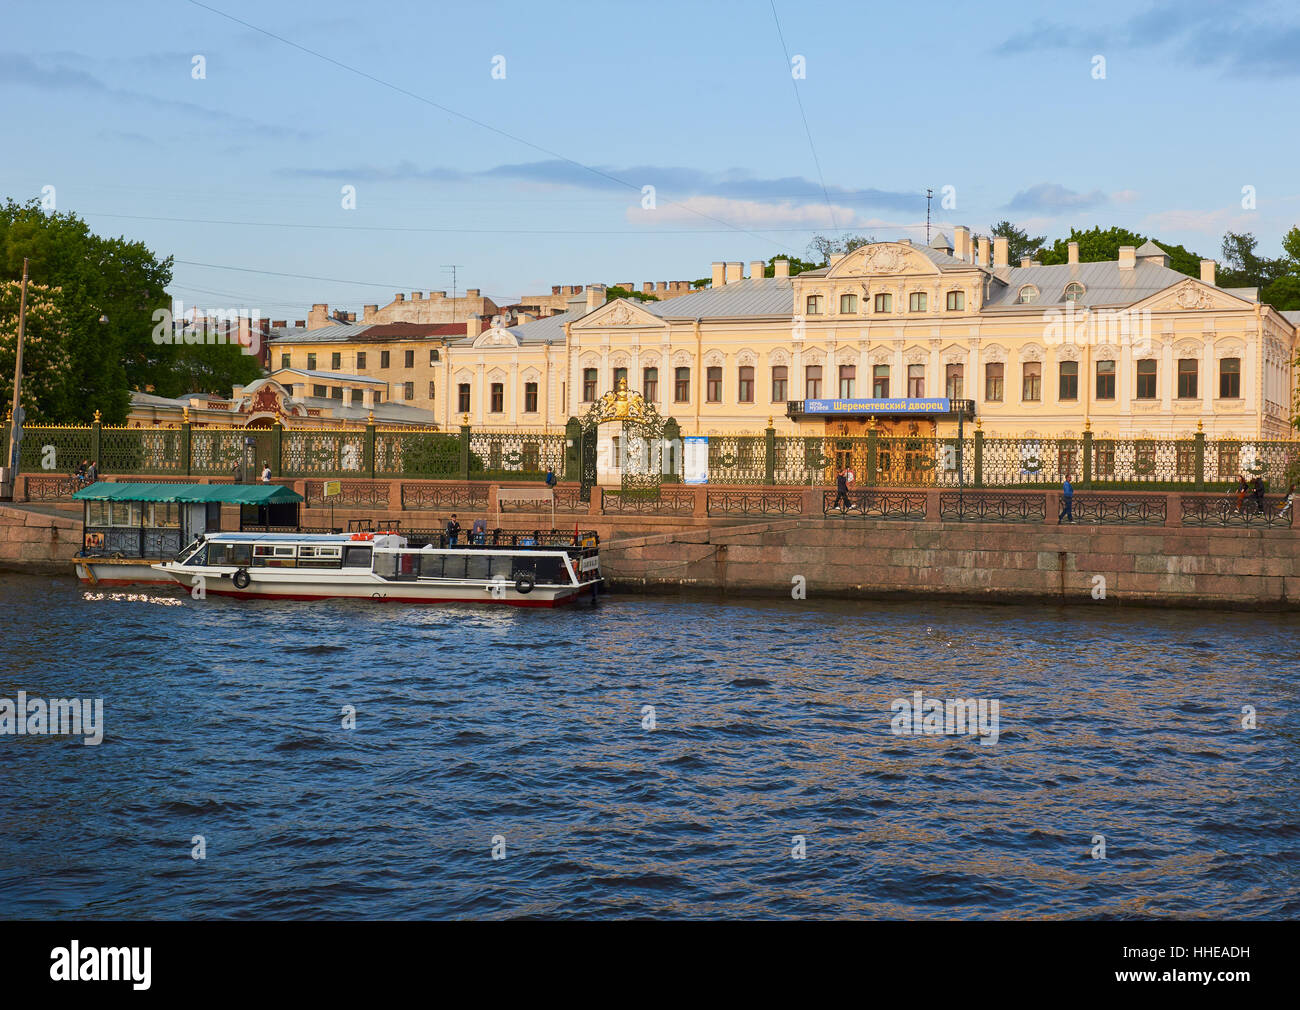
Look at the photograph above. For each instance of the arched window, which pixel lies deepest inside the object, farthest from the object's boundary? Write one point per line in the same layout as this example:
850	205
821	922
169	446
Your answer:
1028	294
1073	291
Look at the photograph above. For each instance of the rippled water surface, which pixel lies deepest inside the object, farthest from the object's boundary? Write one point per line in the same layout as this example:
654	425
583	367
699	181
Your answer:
772	721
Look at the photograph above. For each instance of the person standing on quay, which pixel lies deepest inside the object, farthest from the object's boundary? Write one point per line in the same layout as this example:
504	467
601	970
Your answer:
841	489
1067	502
453	530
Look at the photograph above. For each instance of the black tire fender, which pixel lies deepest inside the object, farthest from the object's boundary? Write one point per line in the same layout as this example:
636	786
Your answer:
524	584
241	578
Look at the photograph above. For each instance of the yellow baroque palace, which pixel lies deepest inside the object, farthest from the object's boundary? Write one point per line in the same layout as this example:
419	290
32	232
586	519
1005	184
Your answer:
898	334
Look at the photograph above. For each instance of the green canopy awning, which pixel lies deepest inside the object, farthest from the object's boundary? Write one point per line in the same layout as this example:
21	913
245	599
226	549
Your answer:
225	494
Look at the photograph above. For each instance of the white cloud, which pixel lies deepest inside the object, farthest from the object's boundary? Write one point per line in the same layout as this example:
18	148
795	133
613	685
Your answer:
749	213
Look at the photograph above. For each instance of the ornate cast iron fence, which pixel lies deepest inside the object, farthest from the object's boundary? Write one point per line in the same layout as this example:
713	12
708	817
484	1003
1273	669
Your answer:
309	453
738	459
352	494
1123	510
444	497
567	499
880	504
668	501
50	488
995	507
754	503
1223	510
513	455
417	454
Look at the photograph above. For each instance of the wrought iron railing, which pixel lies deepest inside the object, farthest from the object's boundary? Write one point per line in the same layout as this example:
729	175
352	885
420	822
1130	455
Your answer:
879	504
131	542
993	507
666	501
567	499
754	503
51	488
1120	509
1224	510
352	494
497	455
444	497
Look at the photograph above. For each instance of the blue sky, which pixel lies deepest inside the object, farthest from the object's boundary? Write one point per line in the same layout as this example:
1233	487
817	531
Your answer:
535	178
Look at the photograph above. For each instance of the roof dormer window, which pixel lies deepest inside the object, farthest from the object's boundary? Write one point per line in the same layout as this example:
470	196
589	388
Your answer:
1028	294
1074	291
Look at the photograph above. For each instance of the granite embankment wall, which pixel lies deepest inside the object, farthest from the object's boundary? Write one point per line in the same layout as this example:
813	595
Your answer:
1220	568
38	540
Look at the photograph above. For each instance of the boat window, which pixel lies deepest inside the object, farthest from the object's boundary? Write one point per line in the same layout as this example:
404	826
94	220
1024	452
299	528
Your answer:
476	567
551	571
274	556
503	565
453	566
238	555
430	565
385	563
356	557
165	514
320	556
408	566
198	555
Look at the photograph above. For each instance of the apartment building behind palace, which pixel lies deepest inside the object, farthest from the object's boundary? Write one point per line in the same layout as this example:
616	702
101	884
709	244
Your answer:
890	334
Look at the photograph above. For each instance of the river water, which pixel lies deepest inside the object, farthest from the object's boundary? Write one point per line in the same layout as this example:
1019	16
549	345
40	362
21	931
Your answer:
526	734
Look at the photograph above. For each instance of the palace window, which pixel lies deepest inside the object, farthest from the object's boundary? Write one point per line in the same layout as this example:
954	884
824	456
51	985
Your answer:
408	390
779	378
1187	378
952	385
336	361
814	304
1146	379
1031	387
319	391
384	358
408	359
847	374
462	398
880	382
745	384
1028	294
713	388
956	301
884	302
1230	378
812	382
619	373
498	397
431	389
1073	291
1069	381
916	381
361	359
848	304
530	401
650	384
917	301
993	374
284	361
1105	380
337	393
311	362
589	379
433	355
682	386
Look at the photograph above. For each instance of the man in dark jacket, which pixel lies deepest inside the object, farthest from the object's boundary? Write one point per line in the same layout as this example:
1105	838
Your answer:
453	530
1067	502
841	489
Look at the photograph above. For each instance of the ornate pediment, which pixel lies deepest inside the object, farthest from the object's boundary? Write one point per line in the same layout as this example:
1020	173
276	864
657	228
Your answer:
619	312
883	259
497	336
1191	295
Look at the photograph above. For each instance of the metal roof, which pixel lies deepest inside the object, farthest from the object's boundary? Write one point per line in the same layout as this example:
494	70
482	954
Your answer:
226	494
332	376
1103	284
323	335
771	296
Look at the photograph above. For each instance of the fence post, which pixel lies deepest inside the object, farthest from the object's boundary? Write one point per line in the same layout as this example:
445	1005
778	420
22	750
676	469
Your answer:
277	448
770	447
1086	480
1199	440
368	449
464	448
187	443
572	450
95	428
872	438
979	453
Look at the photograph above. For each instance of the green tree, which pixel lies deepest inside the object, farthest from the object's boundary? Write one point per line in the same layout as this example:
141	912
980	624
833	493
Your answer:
1019	242
1098	245
48	384
1282	293
797	265
823	247
1243	267
618	292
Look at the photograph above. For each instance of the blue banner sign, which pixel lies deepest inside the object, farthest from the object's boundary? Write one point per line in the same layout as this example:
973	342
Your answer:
903	405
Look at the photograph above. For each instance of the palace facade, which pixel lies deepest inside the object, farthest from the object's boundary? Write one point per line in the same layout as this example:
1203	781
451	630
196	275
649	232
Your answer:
895	333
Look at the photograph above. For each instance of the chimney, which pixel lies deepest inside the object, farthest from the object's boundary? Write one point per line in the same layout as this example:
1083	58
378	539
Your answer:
555	290
648	288
300	323
757	270
781	268
1127	257
416	295
399	297
473	293
1000	251
1026	261
368	312
473	327
279	324
961	243
1073	254
719	274
735	272
352	317
1207	271
318	316
985	259
595	296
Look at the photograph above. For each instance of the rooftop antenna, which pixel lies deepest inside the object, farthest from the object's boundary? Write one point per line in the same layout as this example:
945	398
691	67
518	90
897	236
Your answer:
929	195
453	267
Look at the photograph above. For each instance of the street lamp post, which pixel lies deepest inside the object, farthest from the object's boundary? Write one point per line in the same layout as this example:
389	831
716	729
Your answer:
16	423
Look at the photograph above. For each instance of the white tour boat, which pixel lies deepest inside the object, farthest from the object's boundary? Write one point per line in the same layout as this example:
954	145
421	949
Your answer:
519	569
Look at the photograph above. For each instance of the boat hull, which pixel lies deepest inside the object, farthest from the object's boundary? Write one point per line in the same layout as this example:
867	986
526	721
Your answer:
118	572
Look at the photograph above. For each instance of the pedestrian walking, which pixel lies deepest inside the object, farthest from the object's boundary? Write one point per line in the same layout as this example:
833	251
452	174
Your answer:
1242	489
1067	502
1258	494
841	490
266	472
